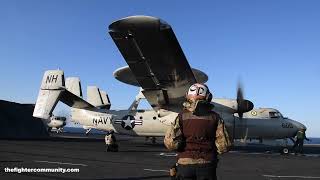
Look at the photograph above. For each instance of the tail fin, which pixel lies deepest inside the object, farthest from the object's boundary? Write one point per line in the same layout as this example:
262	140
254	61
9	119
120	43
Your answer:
73	85
52	90
52	86
105	99
98	98
94	96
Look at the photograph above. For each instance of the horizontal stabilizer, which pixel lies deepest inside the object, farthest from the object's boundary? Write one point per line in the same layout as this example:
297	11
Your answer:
52	90
74	101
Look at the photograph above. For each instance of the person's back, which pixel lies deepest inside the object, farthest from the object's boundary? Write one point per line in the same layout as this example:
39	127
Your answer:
193	135
199	132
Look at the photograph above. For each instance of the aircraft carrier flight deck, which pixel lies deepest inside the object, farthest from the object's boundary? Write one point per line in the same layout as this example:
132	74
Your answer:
138	159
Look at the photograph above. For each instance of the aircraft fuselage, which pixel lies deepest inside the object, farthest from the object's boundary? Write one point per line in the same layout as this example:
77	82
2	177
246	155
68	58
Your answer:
147	123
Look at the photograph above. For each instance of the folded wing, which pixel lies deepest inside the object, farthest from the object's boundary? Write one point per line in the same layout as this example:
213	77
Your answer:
155	58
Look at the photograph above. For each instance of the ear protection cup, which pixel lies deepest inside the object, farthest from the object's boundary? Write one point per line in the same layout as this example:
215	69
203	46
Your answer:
197	90
209	97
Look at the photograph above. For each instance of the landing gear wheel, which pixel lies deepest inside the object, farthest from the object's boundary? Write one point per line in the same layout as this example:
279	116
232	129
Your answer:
285	151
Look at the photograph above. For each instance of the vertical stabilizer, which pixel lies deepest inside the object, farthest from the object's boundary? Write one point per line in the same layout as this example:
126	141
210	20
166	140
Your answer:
53	89
73	85
52	86
98	98
105	99
94	96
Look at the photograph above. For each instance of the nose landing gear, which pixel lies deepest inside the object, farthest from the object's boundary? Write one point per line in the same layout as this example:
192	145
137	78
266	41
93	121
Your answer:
285	151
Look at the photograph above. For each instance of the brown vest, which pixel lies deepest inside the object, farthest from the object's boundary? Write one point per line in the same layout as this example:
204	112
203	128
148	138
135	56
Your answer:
200	134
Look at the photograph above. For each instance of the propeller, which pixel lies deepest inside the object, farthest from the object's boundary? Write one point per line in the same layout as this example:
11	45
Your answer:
243	104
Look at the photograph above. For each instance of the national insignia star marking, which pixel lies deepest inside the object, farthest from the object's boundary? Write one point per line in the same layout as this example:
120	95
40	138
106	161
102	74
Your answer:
128	122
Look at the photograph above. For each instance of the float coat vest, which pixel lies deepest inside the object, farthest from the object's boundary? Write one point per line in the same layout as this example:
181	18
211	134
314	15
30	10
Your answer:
199	133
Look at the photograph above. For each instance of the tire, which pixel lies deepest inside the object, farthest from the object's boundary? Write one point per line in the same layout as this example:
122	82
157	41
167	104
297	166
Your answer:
285	151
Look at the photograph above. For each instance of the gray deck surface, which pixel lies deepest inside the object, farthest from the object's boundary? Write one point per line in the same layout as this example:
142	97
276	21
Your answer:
138	159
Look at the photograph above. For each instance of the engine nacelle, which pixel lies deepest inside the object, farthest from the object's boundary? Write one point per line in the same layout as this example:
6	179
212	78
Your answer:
232	106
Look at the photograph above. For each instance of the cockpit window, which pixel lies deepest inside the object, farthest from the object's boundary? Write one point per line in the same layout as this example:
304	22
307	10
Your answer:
275	114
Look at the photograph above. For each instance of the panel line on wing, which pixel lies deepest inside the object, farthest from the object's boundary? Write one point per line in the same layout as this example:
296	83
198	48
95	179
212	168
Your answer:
144	60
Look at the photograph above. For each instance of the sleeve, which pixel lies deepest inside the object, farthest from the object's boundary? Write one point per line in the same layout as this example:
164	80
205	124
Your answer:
171	139
305	137
223	142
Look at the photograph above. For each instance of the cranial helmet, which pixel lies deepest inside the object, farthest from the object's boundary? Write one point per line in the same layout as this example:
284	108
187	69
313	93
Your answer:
199	92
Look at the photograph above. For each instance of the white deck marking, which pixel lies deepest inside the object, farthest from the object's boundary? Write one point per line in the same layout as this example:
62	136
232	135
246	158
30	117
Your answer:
156	170
272	153
301	177
168	154
52	162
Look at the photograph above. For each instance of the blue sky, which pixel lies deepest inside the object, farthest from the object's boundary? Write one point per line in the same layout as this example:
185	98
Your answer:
271	45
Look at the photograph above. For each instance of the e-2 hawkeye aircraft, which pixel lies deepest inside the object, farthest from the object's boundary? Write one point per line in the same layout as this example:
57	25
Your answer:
156	64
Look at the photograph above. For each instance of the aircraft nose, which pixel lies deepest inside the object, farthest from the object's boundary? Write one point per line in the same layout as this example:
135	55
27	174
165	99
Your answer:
296	126
299	125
